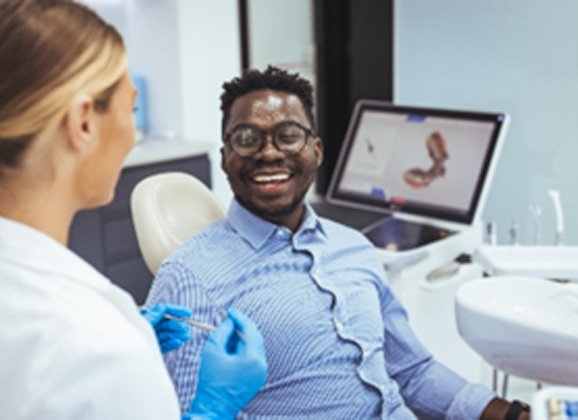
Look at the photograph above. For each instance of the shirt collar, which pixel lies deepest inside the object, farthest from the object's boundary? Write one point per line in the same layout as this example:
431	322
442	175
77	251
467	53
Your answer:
257	230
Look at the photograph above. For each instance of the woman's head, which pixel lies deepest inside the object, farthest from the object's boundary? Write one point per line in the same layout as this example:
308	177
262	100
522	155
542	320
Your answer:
50	51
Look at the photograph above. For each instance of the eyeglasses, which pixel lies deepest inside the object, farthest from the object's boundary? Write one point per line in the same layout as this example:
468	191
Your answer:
288	137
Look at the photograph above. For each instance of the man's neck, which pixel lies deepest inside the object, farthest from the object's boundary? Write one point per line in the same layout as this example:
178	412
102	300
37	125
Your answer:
291	220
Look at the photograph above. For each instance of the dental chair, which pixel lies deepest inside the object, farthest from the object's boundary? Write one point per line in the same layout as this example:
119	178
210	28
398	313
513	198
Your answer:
167	209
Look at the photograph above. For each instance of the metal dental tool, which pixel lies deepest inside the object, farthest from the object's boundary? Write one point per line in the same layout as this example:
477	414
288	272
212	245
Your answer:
536	212
191	322
555	196
492	233
514	232
186	320
203	325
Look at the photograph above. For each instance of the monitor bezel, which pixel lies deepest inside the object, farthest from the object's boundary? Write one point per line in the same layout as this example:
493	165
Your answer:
500	121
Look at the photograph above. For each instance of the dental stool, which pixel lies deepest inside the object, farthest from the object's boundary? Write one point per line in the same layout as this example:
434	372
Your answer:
167	209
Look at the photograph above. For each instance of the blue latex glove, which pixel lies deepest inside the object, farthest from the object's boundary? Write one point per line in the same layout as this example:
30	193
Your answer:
171	334
233	369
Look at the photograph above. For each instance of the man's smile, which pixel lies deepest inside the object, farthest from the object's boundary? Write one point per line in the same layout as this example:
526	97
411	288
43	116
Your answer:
273	177
270	183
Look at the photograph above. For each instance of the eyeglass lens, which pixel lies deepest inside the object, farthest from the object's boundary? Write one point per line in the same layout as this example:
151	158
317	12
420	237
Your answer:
287	137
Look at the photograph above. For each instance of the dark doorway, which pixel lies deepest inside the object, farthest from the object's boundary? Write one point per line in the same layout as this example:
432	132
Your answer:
354	60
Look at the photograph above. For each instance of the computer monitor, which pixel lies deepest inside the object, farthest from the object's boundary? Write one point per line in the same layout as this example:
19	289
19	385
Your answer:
427	162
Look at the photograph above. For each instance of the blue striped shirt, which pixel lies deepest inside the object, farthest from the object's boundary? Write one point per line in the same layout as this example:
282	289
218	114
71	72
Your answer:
338	342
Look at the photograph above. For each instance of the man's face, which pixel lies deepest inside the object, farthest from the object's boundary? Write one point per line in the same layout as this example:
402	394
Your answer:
271	184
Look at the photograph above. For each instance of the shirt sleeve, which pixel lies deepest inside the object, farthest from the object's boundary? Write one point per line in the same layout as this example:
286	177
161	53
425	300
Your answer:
431	390
176	284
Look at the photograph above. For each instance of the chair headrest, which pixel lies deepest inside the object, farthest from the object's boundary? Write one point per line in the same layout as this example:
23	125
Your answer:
167	209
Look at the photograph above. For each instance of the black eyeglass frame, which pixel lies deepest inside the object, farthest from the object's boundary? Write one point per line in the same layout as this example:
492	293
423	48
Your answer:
269	132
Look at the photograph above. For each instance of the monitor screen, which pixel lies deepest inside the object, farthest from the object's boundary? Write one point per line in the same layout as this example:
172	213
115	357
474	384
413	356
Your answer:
422	161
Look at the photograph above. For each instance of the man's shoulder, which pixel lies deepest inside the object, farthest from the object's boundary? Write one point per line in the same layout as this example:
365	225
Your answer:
212	241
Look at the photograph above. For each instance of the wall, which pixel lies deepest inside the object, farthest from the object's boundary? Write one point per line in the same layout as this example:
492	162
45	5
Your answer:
517	56
210	54
185	49
281	33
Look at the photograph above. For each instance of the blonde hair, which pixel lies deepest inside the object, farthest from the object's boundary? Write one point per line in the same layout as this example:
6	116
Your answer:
51	50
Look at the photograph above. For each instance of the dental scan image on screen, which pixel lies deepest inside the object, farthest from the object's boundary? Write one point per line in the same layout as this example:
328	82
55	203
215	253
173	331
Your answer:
417	160
404	157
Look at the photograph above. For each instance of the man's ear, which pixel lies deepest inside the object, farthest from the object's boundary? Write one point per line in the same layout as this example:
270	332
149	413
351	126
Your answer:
79	122
318	148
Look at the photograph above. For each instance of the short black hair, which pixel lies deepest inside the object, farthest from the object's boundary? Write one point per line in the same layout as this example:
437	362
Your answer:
272	78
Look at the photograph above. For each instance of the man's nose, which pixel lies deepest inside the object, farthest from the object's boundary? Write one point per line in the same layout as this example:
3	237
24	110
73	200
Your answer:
269	150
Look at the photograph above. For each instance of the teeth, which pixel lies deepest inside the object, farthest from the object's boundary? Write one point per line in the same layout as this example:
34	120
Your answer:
270	178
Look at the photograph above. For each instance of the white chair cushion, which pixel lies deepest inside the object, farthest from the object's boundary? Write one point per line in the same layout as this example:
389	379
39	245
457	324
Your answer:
167	209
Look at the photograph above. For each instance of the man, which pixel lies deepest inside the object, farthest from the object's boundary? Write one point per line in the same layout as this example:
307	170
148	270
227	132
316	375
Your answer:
337	340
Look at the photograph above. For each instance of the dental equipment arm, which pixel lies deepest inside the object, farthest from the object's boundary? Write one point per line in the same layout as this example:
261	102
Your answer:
170	331
536	212
555	196
232	369
492	232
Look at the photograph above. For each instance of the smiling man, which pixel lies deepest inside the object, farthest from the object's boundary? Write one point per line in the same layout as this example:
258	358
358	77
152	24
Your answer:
270	155
338	342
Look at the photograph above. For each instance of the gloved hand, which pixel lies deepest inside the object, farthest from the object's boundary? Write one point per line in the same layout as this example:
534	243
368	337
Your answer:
233	369
171	333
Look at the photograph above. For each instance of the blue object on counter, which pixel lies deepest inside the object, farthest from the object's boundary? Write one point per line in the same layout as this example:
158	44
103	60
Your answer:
141	108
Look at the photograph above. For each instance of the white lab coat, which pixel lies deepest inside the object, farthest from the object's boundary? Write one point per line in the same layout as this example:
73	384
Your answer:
72	344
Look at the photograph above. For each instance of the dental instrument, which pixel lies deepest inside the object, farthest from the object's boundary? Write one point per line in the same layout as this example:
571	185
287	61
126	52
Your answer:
536	213
191	322
514	232
449	269
187	320
492	233
201	325
555	196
